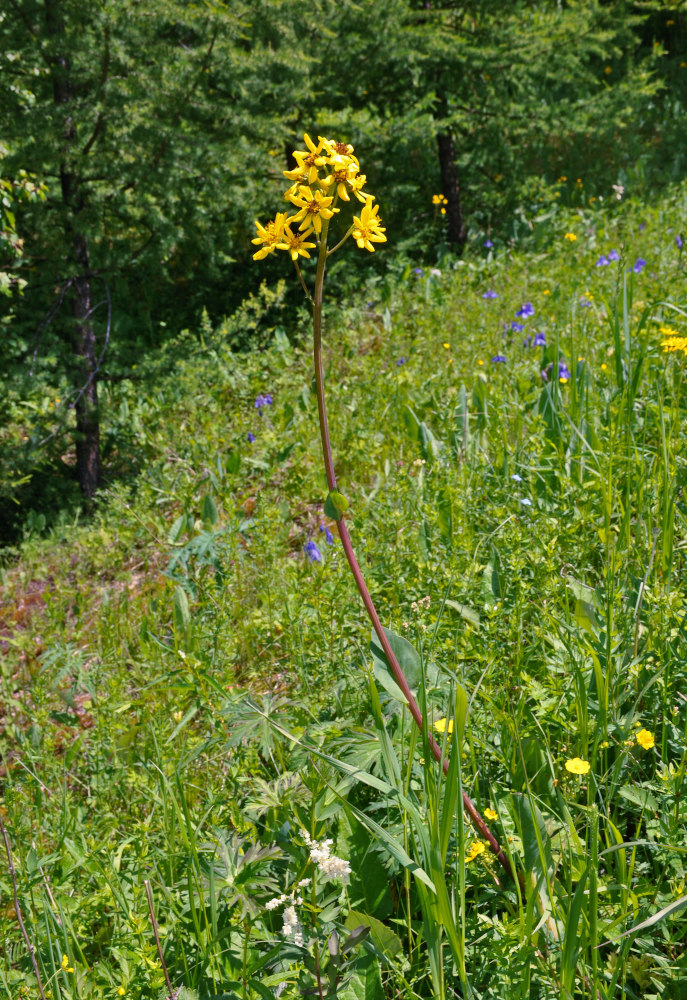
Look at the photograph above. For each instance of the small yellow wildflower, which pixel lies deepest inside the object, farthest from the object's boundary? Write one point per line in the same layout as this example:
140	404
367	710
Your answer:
479	361
309	161
440	725
570	236
65	964
490	814
438	199
367	227
577	766
295	243
477	848
604	366
608	70
645	739
447	346
121	991
177	716
313	207
269	235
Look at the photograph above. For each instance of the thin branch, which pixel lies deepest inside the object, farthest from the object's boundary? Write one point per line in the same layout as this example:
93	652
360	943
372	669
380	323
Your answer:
171	993
17	907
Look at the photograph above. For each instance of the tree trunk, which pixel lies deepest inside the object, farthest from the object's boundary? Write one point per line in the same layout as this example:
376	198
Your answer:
86	375
84	369
457	233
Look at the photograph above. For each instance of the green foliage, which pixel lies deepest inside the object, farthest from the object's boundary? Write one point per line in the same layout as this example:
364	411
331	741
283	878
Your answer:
184	694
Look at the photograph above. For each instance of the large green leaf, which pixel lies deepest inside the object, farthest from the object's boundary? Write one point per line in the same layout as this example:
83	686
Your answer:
408	660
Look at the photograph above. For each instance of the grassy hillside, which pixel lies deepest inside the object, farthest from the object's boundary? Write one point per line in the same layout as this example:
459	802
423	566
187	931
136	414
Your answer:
186	691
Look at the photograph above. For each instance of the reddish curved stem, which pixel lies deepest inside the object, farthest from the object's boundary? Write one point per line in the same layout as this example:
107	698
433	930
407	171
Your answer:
470	807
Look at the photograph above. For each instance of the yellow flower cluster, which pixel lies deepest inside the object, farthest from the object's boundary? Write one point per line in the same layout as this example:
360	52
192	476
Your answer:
325	172
440	202
673	340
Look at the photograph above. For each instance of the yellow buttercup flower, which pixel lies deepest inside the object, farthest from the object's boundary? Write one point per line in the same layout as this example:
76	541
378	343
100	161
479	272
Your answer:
477	848
577	766
645	739
65	964
440	726
570	236
269	235
314	207
490	814
367	227
295	243
121	992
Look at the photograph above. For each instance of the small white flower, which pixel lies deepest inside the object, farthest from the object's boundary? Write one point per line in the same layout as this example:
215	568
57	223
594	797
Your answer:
525	501
304	882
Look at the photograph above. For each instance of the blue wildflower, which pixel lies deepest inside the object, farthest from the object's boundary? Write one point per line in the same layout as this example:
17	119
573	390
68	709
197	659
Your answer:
418	271
251	437
613	255
678	240
498	359
312	552
328	537
585	303
490	294
526	310
525	501
488	244
518	327
602	262
263	401
401	361
526	341
639	265
563	371
540	339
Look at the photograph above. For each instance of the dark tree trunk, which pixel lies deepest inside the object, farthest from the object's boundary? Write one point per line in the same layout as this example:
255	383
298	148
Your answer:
84	366
457	232
86	371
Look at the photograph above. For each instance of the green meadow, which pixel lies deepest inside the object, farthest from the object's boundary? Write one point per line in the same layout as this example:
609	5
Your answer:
201	744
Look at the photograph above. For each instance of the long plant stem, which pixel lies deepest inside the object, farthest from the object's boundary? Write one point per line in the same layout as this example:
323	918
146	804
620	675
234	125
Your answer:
470	808
17	908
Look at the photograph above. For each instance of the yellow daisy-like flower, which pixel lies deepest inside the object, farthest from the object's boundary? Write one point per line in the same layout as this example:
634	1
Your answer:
367	227
335	148
309	161
295	243
477	848
65	964
577	766
440	726
314	207
570	236
645	739
344	170
269	235
490	814
357	185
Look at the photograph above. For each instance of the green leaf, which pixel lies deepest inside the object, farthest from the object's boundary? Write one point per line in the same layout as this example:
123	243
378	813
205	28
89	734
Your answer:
408	660
335	506
385	939
640	797
465	612
492	578
208	511
182	613
667	911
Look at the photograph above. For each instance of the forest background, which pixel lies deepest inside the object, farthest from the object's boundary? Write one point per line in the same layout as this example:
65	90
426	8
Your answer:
140	142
